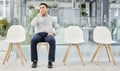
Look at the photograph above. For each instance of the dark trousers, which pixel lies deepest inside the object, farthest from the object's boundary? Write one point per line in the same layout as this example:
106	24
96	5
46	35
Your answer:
43	37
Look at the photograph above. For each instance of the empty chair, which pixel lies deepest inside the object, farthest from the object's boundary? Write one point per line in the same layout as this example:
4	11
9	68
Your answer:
15	35
102	36
73	35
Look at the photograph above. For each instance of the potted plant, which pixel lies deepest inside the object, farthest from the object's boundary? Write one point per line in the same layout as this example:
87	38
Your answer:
83	7
4	25
55	5
31	7
33	14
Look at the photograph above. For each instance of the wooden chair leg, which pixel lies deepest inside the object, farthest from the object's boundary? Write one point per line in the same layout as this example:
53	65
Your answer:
99	55
47	47
80	54
38	47
22	52
19	53
96	51
113	59
8	53
66	54
11	45
107	49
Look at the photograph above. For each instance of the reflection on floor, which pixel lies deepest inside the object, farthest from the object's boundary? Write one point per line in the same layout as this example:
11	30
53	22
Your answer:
73	61
58	66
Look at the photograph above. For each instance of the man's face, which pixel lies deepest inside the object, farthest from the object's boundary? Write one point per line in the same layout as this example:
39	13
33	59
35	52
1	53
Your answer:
43	10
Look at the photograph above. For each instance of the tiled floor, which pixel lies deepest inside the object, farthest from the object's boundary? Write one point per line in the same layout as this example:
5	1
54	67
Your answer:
73	62
58	66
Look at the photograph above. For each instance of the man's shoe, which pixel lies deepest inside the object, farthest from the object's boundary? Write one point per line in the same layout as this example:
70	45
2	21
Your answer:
50	65
34	65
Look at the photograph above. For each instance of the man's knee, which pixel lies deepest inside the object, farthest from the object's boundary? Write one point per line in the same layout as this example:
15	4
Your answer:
50	39
33	40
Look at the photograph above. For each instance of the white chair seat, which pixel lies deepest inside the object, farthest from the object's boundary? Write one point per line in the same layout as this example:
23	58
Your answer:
74	42
102	36
43	43
14	41
73	35
15	35
110	42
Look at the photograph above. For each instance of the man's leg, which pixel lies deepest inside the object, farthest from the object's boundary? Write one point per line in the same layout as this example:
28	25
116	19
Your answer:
35	39
34	56
39	37
52	44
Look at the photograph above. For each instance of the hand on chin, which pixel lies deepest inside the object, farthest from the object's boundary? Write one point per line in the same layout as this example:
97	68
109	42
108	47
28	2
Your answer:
42	14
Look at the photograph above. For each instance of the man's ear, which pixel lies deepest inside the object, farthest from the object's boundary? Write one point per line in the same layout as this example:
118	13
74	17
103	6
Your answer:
47	9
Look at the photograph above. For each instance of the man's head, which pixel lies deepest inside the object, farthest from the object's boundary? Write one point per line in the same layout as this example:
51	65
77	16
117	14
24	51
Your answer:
43	9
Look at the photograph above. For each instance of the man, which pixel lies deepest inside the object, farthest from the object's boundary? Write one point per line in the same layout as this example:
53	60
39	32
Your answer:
44	25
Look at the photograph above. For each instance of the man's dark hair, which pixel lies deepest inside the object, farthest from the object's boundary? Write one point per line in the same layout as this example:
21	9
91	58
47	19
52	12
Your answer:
44	4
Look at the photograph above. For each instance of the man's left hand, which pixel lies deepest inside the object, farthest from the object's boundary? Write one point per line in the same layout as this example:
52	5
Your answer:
50	34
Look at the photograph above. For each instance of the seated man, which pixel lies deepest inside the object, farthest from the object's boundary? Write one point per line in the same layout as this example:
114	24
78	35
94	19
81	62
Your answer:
44	25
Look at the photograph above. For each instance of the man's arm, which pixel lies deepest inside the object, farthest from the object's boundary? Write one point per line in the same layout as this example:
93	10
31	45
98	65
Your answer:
56	26
35	20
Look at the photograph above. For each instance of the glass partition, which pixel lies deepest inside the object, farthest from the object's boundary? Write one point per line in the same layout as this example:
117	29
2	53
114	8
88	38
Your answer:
68	12
114	20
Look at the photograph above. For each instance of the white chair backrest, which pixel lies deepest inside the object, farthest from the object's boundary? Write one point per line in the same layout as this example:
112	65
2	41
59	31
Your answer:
102	35
54	18
16	33
73	34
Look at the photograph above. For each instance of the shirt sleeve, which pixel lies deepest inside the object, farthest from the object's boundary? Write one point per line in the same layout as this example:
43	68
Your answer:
35	20
56	27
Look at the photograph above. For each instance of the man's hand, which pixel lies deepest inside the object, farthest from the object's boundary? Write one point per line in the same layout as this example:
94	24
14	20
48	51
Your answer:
50	34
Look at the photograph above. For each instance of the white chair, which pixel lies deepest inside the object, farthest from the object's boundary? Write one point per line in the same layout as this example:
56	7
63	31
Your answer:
15	35
73	35
46	43
43	43
102	36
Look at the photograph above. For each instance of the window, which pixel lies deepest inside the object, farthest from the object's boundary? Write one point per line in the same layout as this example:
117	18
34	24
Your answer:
61	0
68	0
39	0
77	0
49	0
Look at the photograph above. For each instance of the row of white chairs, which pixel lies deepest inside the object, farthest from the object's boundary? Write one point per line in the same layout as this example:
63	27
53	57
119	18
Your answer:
73	35
101	35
